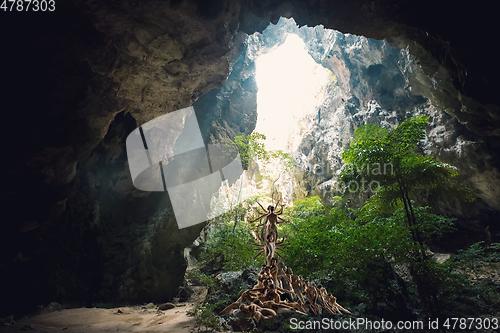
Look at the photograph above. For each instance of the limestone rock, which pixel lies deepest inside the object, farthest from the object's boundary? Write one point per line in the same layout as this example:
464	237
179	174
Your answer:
241	324
166	306
233	282
7	321
52	307
149	306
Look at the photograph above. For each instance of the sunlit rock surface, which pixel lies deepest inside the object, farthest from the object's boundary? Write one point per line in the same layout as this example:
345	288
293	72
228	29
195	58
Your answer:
373	84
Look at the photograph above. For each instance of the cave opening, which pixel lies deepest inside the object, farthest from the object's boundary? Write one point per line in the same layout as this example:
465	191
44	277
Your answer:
291	86
307	89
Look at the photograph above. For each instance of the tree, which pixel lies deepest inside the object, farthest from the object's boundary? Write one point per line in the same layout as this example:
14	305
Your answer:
326	244
389	162
234	245
251	149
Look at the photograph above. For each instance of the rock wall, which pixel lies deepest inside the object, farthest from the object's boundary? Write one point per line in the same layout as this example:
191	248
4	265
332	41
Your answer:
79	232
77	80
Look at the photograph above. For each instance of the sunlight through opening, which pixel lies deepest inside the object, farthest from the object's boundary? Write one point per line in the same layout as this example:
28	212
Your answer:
291	86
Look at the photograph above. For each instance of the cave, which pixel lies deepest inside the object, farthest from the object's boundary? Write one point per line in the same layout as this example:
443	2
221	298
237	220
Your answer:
78	80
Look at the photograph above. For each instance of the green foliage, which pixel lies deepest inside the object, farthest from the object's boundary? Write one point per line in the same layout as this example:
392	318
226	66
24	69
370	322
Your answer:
478	252
252	147
311	237
453	283
230	241
327	243
391	159
198	278
308	207
205	317
430	226
332	245
225	236
494	255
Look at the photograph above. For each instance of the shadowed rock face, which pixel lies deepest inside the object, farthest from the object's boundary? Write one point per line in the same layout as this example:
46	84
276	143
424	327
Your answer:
79	79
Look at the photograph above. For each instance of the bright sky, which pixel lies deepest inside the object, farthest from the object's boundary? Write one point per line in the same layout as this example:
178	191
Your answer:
290	85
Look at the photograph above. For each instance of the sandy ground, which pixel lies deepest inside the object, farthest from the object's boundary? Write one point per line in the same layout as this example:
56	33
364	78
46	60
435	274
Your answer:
132	319
97	320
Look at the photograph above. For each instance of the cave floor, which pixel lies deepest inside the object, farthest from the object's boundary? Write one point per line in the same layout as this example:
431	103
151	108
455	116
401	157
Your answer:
93	320
123	319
